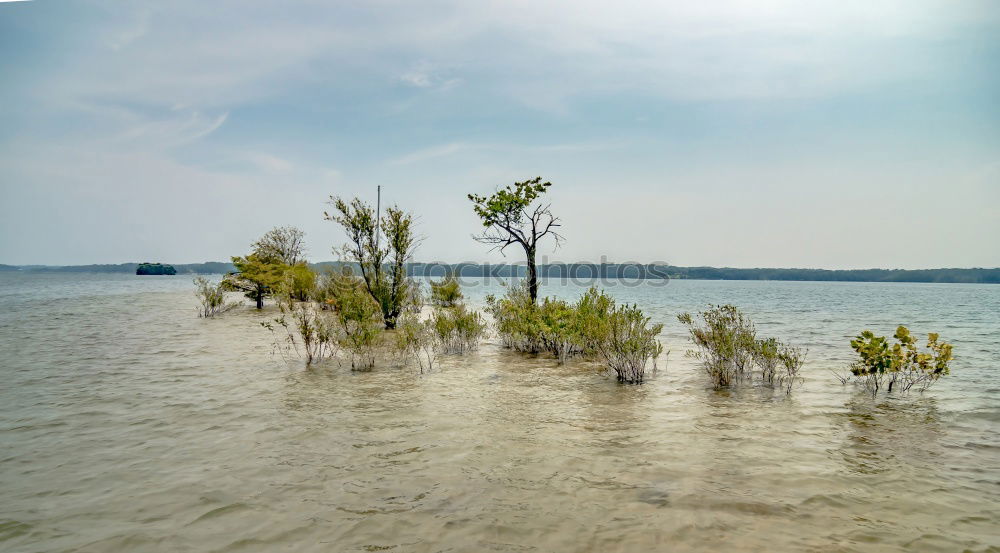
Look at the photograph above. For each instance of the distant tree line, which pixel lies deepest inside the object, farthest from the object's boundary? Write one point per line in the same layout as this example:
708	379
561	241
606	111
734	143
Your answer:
598	270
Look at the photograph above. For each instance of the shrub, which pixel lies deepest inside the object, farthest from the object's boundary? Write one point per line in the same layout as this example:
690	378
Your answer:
359	321
457	329
730	350
902	364
558	332
516	319
446	293
300	282
629	342
415	340
791	359
212	298
310	327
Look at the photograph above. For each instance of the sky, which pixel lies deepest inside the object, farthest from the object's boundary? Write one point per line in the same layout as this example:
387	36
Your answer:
841	134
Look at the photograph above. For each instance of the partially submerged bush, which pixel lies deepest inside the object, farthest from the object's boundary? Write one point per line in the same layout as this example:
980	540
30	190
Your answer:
307	325
415	339
629	342
901	366
516	319
359	320
593	326
343	318
457	329
730	350
212	298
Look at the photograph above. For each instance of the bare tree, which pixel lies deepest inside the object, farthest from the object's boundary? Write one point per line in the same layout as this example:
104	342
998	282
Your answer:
509	218
281	244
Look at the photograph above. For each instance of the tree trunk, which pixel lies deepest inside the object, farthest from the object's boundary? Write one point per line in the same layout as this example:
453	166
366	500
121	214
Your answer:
532	277
260	299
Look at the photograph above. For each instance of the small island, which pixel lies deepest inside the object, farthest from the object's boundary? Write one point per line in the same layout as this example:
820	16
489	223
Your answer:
155	269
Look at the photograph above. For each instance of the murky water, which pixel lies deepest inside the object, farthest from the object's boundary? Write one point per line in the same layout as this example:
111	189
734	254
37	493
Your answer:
128	424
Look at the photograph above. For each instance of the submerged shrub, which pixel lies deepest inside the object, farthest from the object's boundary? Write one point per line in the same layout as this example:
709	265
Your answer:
415	340
516	319
726	343
359	321
593	326
557	326
629	342
457	329
901	366
212	298
308	326
730	351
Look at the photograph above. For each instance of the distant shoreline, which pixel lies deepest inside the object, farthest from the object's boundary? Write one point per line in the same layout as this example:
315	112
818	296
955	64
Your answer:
595	270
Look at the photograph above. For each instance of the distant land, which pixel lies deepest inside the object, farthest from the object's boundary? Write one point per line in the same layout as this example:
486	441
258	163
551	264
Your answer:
606	270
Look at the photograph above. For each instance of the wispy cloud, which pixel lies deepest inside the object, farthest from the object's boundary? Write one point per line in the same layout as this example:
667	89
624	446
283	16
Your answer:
446	150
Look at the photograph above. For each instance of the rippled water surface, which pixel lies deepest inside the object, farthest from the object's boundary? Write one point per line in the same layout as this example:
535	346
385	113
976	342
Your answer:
128	424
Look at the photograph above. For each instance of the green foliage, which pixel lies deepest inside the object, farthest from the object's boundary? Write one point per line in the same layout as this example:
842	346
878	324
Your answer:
212	297
902	364
381	248
332	283
300	282
155	269
730	351
507	205
447	292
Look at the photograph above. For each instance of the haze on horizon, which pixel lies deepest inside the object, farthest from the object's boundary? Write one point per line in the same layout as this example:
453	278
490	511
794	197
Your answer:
743	133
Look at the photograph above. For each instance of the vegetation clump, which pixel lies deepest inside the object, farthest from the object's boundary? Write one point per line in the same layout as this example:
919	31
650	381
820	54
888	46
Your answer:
457	329
902	365
274	260
415	339
731	353
447	292
621	336
212	298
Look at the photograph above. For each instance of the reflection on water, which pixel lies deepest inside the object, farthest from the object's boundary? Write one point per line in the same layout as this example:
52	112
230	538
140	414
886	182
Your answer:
881	431
127	424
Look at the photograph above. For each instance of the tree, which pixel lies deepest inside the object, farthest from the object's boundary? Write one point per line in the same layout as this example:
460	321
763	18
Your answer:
283	244
509	219
381	247
257	277
265	271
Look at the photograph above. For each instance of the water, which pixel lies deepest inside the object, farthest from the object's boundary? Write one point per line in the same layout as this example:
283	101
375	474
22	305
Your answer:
128	424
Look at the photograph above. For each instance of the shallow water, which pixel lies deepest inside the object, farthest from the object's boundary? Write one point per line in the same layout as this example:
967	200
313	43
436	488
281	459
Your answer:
128	424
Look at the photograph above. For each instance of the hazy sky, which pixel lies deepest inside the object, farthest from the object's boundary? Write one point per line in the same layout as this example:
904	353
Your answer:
838	134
